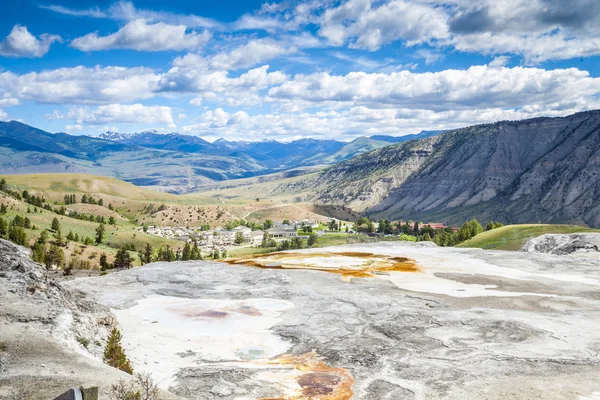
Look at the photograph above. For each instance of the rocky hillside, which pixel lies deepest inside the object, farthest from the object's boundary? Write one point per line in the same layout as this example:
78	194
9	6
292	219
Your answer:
537	170
51	338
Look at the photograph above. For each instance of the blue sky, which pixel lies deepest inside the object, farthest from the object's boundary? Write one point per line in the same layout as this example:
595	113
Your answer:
282	70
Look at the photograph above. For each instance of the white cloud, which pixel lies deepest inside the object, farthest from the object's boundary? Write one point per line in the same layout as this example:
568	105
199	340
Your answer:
76	127
3	115
476	87
126	11
499	61
20	43
9	102
142	36
366	26
118	113
80	85
429	56
90	12
188	76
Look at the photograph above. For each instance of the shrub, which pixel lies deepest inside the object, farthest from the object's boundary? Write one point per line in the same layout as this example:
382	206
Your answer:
83	341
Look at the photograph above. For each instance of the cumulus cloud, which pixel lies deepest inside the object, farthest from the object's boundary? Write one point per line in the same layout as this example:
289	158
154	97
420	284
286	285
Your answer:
475	87
143	36
3	115
20	43
538	30
188	77
366	26
351	123
80	85
76	127
118	113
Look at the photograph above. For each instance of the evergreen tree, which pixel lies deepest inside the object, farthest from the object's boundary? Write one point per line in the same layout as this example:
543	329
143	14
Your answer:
54	256
43	238
99	233
416	229
490	226
104	265
196	252
55	224
123	259
70	236
187	252
17	235
114	355
111	220
312	240
38	253
3	185
3	208
58	237
3	228
216	254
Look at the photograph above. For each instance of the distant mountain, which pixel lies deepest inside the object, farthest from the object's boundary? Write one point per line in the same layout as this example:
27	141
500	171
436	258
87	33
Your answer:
24	149
405	138
537	170
114	136
356	147
169	162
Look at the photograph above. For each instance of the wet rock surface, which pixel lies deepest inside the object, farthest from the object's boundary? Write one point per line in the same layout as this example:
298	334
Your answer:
563	244
471	324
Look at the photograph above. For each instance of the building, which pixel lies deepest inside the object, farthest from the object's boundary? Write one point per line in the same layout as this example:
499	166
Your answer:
256	238
283	231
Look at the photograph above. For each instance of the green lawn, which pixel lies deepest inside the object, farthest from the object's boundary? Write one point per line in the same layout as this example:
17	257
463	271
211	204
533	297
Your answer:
513	237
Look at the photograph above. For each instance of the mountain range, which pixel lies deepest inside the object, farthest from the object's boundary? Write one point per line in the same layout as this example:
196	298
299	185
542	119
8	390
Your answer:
167	162
542	170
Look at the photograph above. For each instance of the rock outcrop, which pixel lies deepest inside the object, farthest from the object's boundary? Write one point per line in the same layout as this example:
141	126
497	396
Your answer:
563	244
48	334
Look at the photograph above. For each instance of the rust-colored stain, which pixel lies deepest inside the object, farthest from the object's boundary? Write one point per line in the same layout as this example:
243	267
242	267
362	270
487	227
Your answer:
368	265
316	380
207	314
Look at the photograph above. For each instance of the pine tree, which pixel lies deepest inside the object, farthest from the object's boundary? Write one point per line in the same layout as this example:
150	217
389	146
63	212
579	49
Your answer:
37	253
99	233
55	224
104	263
3	228
187	250
312	240
114	355
122	259
54	256
3	209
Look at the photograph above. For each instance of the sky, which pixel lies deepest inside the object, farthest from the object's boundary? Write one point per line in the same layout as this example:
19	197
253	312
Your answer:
255	70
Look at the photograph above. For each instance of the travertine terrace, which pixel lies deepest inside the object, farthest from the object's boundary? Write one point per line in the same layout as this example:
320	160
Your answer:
463	324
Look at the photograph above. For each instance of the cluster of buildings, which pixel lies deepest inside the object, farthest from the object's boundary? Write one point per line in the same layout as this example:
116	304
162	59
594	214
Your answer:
220	237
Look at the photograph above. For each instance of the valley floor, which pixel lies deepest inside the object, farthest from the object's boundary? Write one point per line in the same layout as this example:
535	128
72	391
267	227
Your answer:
463	324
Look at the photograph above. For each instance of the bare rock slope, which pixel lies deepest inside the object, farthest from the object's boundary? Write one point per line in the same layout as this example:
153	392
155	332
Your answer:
51	338
538	170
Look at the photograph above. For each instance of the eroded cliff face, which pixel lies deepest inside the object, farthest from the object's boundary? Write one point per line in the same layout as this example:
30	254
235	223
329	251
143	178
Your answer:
539	170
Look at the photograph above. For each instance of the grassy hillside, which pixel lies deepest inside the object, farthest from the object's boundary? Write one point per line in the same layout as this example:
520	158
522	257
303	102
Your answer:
513	237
